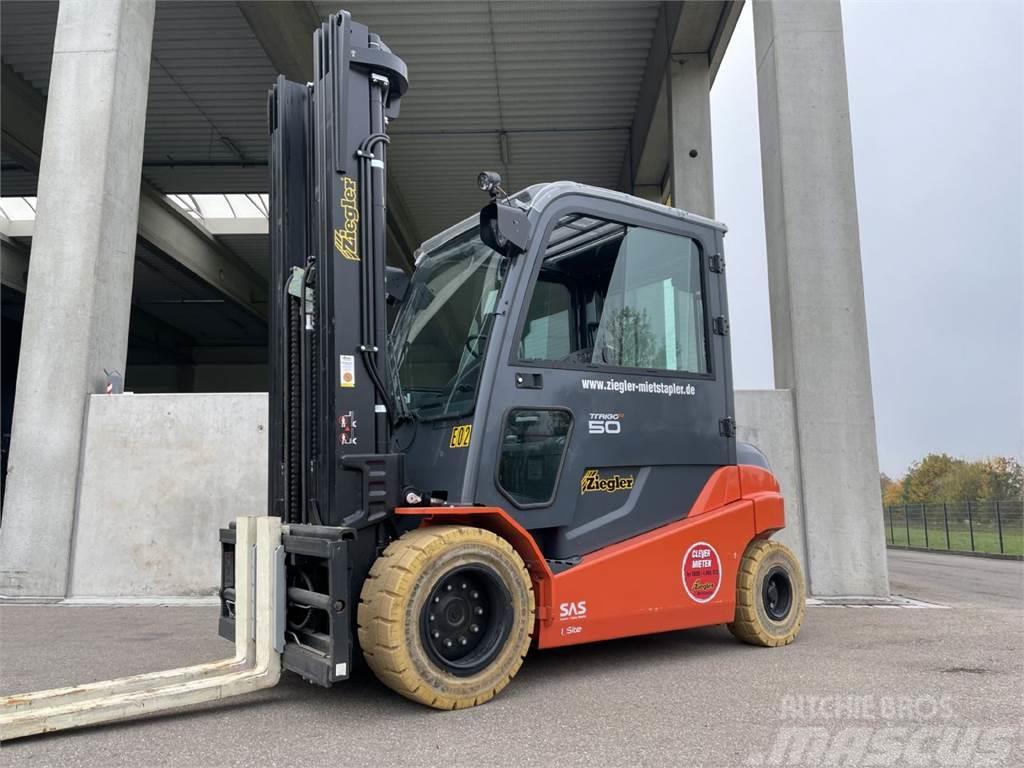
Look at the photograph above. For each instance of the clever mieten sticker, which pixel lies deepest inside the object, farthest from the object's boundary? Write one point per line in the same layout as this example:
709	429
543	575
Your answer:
347	376
702	572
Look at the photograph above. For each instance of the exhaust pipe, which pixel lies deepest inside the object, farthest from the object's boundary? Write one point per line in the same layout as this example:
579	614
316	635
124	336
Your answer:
260	607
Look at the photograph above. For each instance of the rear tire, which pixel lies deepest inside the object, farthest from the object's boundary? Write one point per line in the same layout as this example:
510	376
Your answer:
446	615
770	595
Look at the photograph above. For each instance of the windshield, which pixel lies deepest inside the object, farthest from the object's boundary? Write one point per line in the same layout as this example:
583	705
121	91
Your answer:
440	334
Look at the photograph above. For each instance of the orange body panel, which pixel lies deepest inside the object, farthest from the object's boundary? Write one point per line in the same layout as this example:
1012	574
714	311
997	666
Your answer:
678	576
760	487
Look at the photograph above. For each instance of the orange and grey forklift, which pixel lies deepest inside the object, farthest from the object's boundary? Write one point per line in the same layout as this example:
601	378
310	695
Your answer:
540	451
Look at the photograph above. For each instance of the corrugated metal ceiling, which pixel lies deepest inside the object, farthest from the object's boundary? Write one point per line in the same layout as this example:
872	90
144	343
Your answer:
206	113
26	39
560	79
208	86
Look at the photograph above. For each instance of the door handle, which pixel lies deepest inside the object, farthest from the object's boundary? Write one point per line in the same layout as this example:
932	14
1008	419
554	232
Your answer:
529	381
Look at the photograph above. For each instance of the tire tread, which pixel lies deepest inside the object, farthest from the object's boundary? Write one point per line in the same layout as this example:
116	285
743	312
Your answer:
748	625
381	612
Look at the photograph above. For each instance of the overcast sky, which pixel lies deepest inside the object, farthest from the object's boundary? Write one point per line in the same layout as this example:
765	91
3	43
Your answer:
936	90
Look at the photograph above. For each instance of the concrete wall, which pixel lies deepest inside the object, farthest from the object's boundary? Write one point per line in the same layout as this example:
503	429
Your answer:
78	299
160	475
764	418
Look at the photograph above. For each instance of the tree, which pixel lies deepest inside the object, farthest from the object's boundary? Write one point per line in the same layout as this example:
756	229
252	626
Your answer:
893	493
965	481
939	477
892	490
1005	478
924	478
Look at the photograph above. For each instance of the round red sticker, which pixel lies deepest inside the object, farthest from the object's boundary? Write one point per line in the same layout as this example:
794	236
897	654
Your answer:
702	572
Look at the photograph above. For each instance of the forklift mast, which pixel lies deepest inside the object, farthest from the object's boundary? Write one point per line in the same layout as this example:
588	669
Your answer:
332	480
329	430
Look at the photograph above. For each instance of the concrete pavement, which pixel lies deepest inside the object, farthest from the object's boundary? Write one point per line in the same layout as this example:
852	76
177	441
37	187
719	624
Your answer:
693	698
957	580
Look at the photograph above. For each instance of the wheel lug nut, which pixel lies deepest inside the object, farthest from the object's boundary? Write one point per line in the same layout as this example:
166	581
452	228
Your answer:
464	585
478	611
462	641
474	594
447	643
431	618
435	634
474	628
448	588
437	599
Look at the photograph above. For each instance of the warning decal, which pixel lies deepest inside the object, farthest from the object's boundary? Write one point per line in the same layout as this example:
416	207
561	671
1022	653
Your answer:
702	572
347	376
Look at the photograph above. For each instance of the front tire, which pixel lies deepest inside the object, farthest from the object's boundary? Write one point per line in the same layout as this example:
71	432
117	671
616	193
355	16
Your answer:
770	595
446	615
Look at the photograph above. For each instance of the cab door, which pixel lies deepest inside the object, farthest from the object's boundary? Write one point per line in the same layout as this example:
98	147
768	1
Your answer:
611	402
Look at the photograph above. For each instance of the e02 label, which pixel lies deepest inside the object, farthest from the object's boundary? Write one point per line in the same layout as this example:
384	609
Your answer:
460	436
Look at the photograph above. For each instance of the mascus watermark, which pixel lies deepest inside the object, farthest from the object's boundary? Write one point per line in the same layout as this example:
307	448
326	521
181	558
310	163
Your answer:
881	731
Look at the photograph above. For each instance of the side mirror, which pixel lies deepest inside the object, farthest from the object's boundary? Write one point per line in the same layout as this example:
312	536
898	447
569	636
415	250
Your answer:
396	284
504	227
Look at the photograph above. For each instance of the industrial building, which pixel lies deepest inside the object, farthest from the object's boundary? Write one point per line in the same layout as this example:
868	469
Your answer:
135	247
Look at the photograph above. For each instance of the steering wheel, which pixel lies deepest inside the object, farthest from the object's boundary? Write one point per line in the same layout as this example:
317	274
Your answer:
475	352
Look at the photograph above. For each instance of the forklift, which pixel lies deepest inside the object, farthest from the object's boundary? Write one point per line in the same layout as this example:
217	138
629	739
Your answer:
538	450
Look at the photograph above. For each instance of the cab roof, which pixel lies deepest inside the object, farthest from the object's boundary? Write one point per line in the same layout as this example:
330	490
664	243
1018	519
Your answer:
538	196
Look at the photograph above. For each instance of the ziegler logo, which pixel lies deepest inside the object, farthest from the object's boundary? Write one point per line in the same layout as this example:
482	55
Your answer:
605	423
593	480
345	239
568	611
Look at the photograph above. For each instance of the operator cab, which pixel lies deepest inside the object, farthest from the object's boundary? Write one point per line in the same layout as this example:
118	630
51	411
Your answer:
566	357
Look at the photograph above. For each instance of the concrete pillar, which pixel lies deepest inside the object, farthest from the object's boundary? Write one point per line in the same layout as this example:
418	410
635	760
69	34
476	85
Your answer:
693	186
80	277
816	287
650	192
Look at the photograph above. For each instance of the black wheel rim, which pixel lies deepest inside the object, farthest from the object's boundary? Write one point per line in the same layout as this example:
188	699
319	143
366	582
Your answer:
466	619
777	593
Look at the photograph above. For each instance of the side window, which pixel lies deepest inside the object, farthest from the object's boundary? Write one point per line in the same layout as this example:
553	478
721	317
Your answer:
618	296
532	446
548	331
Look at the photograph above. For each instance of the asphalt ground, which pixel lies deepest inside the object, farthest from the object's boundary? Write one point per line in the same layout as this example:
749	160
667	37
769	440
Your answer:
917	686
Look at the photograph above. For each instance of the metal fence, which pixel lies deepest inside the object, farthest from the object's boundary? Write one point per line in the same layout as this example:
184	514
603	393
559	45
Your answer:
993	527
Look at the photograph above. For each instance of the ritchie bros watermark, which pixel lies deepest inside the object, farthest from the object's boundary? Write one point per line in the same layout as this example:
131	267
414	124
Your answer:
868	730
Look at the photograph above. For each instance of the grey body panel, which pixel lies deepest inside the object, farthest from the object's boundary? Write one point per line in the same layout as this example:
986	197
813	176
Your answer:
668	446
751	454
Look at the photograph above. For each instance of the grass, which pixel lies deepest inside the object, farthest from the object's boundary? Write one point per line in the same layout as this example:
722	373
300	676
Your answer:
986	536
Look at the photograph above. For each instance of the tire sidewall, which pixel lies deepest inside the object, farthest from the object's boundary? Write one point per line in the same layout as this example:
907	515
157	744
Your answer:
440	563
781	558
